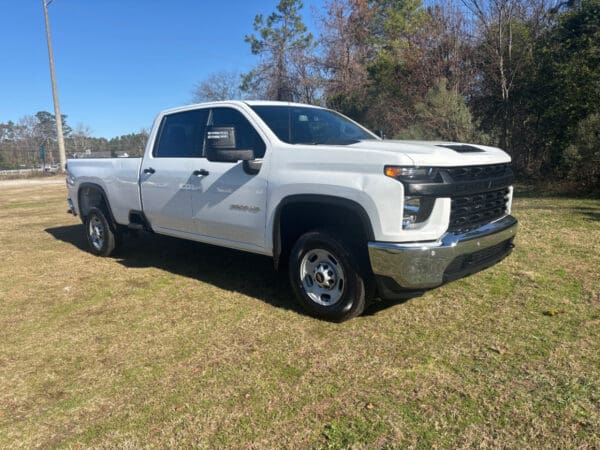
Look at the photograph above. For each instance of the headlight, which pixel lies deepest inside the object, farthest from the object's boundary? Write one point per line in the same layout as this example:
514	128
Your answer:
70	179
413	174
416	211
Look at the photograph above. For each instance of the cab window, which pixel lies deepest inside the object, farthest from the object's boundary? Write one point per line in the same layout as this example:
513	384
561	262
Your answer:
245	134
181	135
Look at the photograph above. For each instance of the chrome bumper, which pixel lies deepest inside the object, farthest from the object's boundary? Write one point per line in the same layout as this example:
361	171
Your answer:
423	265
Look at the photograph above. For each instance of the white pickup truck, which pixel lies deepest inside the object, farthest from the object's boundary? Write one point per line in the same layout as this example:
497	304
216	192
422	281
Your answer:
351	216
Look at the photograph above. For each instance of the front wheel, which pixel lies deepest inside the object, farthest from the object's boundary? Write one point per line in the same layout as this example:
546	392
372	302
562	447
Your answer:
100	235
326	277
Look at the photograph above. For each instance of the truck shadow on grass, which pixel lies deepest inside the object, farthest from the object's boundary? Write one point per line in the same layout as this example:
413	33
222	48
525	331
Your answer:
232	270
590	214
250	274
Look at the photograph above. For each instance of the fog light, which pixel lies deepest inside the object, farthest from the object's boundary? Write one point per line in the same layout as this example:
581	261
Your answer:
411	211
416	211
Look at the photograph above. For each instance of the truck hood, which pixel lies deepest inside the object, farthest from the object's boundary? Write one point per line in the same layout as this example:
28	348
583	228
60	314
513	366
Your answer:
438	153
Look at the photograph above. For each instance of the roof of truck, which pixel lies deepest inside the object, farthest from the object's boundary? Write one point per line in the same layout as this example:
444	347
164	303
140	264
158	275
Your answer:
275	103
235	102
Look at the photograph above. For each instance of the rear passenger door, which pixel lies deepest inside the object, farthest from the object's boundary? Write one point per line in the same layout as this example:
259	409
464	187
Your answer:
166	179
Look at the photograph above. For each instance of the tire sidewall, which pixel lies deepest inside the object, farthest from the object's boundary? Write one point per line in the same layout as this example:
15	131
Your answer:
352	302
109	237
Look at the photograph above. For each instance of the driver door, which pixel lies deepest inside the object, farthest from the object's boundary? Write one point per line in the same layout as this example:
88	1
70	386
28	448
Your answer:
229	205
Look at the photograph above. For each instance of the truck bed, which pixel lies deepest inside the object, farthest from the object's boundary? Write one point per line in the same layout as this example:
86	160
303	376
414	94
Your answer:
118	177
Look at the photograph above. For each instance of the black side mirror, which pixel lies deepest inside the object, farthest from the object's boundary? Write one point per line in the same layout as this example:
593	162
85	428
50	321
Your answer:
221	146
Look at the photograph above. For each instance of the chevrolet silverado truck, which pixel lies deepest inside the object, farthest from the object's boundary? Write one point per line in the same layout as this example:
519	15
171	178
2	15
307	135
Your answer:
351	216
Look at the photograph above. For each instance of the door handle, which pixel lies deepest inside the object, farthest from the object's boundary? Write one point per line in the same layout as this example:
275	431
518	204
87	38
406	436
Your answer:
149	170
201	172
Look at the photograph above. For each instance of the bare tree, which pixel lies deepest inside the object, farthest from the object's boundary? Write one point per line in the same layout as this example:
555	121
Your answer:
345	43
505	49
217	86
447	47
506	33
495	19
29	139
80	138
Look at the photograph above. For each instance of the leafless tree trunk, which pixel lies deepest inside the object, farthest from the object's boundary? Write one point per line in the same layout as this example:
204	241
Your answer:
345	42
495	19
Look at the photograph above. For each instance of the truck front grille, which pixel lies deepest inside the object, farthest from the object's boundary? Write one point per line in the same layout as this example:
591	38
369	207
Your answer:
472	173
472	211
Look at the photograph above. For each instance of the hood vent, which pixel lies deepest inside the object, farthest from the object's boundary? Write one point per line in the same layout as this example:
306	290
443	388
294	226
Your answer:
461	148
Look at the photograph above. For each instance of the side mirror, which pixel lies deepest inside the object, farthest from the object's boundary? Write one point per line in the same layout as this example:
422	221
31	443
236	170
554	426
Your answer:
221	146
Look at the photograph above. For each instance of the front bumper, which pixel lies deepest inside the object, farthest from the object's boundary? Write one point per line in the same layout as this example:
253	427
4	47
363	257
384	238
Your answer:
422	265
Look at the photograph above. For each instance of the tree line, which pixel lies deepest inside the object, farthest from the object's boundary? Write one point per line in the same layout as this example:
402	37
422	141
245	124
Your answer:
523	75
31	142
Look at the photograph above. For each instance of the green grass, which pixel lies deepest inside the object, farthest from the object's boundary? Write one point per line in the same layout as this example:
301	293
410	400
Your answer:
172	344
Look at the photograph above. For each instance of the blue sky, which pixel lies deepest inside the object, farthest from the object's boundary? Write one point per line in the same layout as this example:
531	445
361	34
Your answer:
120	62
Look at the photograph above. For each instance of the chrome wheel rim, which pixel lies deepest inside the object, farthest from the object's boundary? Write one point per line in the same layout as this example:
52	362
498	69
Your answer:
96	232
322	277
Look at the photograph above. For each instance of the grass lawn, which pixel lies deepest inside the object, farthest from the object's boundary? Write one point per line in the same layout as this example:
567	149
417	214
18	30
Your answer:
179	344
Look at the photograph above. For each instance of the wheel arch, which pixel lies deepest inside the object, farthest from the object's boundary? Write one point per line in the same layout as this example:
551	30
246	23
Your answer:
91	195
338	211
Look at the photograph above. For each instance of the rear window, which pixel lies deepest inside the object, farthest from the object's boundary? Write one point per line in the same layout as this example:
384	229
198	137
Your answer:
181	135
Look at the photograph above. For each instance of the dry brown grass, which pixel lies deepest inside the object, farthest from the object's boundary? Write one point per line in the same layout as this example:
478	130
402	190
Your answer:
179	344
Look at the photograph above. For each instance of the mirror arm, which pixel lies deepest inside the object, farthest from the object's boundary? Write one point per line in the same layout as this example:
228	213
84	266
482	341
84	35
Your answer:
252	166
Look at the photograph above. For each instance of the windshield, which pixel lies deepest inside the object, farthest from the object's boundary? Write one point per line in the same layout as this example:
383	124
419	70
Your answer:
305	125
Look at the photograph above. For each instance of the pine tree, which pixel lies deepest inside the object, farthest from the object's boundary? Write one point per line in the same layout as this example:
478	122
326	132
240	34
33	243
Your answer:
285	48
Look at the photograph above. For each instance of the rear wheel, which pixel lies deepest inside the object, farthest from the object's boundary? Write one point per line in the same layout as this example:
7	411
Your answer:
326	277
101	236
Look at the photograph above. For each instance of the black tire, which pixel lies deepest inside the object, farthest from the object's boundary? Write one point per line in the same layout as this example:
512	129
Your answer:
101	235
344	287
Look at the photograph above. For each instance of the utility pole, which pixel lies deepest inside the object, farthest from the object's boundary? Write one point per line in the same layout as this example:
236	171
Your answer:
58	117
